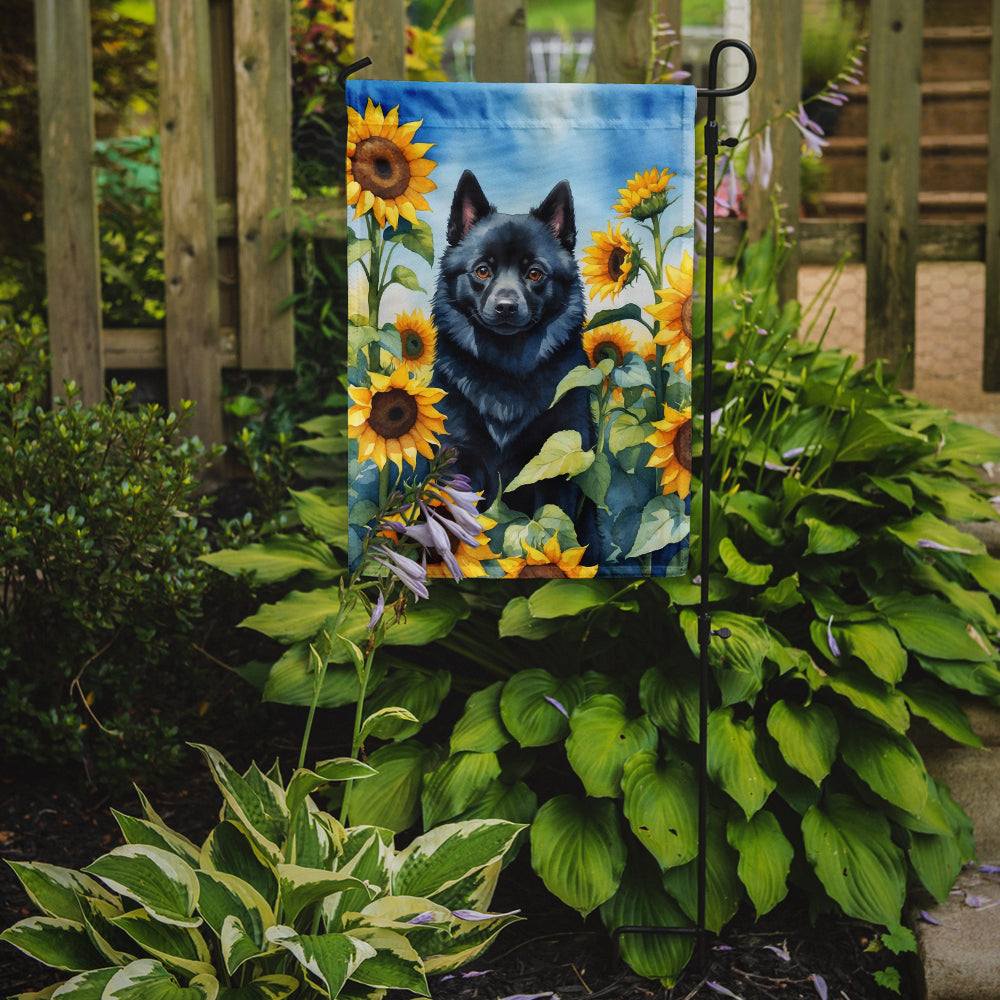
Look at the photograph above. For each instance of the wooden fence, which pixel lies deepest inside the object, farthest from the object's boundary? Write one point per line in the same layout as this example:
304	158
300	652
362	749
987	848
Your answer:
226	161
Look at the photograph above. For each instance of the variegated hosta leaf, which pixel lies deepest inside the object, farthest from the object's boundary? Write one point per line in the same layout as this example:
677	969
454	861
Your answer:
315	838
467	940
395	964
301	887
304	782
888	763
642	902
141	831
456	784
86	986
807	736
54	941
116	947
578	851
476	890
329	959
661	800
177	947
158	880
481	727
56	891
850	847
367	854
765	858
149	980
441	857
225	897
732	760
256	801
274	987
602	738
230	849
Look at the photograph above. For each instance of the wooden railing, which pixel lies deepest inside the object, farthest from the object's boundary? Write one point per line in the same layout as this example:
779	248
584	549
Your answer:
226	161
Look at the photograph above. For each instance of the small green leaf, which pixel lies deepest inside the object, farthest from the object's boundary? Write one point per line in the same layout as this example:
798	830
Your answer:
807	736
751	574
561	455
664	522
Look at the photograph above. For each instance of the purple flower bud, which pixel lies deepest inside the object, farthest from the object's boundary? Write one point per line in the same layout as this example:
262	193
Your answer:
927	543
377	611
427	917
834	648
411	574
820	983
558	705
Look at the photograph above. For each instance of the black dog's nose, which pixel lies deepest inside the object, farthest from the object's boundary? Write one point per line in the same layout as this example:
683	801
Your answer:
506	309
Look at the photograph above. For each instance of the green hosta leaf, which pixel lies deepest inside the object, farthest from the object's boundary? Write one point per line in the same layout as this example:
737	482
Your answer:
664	522
936	704
147	979
159	881
760	512
292	679
928	528
98	914
888	763
456	784
732	760
330	959
937	857
54	941
601	739
516	619
765	858
738	661
783	595
932	628
387	722
976	678
304	782
986	572
391	798
641	901
86	986
275	987
866	692
560	598
561	455
180	948
467	940
578	851
723	889
366	855
142	831
327	520
957	501
230	849
481	728
876	646
661	798
527	711
395	964
807	736
870	436
440	858
56	891
671	700
417	690
827	539
301	887
850	847
279	558
516	803
738	569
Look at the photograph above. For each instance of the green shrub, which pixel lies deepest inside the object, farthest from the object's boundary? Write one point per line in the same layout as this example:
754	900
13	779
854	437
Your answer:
101	584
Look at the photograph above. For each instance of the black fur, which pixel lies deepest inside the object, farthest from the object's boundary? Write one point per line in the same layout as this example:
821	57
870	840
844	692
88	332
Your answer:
509	310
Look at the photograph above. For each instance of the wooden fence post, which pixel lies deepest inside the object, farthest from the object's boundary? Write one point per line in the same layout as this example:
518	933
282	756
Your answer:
893	183
72	255
190	251
991	332
501	41
261	57
776	34
623	39
380	34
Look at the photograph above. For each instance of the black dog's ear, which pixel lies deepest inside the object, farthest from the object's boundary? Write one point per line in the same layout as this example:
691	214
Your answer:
467	207
557	213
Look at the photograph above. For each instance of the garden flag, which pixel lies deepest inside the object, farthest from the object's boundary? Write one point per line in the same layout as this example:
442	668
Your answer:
520	279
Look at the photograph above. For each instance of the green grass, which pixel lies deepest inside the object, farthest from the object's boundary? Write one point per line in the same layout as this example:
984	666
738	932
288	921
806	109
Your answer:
578	15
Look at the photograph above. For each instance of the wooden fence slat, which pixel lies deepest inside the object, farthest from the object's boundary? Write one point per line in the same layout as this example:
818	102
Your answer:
380	34
991	332
776	36
72	256
501	41
622	40
190	252
261	57
893	184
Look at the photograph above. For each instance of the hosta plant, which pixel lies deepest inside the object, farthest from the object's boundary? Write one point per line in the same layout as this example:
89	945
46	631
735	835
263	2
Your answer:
279	900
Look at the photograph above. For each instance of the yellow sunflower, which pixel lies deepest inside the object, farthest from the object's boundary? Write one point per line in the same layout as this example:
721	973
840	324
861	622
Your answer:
386	171
645	195
609	341
470	558
419	339
672	443
394	419
674	314
550	562
610	264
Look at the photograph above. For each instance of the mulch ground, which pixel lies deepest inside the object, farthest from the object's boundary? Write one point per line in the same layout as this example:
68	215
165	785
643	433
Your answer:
551	953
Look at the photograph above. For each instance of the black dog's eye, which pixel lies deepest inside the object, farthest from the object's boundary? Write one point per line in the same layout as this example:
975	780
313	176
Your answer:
534	274
482	271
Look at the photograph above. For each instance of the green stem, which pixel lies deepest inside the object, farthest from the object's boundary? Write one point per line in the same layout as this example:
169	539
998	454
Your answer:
356	738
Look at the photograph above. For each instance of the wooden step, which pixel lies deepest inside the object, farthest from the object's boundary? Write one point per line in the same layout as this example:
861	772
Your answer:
957	206
956	53
938	13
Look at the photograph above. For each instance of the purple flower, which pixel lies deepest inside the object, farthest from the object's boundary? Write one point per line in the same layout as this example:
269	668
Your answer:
831	642
811	132
411	574
761	163
820	983
552	701
719	988
927	543
780	952
431	535
377	612
475	915
427	917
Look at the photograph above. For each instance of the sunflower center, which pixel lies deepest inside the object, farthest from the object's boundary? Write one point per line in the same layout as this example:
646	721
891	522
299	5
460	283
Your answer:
546	570
686	309
413	345
608	349
381	167
616	263
393	413
682	445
